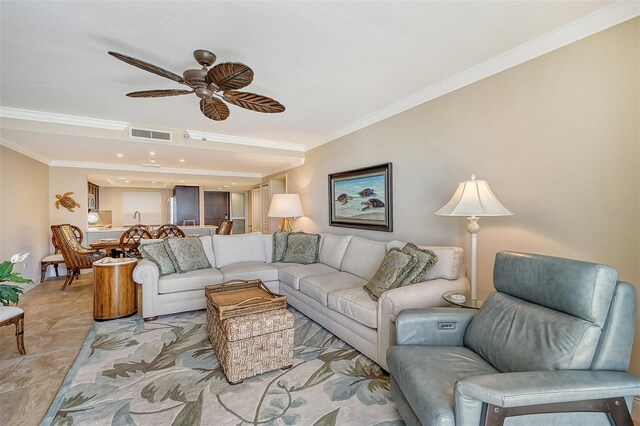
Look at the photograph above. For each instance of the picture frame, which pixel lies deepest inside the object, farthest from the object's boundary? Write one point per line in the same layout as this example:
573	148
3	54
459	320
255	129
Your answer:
362	198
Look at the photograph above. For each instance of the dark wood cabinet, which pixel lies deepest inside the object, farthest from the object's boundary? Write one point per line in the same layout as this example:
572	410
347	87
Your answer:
93	200
216	207
187	205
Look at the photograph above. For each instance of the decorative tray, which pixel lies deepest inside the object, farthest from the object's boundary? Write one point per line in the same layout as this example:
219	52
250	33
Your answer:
239	297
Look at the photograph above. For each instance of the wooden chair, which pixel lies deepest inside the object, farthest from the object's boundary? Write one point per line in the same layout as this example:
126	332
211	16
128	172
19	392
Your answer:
14	315
56	258
130	240
169	230
75	256
225	227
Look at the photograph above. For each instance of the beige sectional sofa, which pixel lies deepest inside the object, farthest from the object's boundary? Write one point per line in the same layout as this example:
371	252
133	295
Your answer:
329	292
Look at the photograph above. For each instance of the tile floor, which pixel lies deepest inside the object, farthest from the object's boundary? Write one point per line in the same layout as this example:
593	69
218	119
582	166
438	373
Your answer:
56	325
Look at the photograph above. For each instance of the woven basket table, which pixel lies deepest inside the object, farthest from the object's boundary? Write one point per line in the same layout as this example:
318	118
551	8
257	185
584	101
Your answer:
259	339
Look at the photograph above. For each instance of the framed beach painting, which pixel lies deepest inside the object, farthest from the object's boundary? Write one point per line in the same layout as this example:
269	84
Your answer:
362	198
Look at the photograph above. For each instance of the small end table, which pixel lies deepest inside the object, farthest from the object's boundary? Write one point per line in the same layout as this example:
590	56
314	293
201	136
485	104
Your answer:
114	291
468	303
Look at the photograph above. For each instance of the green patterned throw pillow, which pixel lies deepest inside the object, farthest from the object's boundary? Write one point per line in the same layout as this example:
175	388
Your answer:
187	254
157	253
426	260
393	270
302	248
279	245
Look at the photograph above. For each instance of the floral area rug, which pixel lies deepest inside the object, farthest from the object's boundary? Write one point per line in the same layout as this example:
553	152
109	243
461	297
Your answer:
164	372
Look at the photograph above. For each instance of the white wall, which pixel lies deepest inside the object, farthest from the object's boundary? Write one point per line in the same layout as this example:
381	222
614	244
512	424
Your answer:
557	138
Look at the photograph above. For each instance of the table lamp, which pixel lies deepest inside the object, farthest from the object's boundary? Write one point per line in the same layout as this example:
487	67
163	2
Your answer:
473	199
285	206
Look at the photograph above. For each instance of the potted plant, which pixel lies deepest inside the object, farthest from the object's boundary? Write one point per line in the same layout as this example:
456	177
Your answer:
11	293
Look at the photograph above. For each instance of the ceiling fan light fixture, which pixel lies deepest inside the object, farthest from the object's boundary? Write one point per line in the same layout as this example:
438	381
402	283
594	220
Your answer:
204	93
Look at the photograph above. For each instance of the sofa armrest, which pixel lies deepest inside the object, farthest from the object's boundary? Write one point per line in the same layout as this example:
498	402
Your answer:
433	326
545	387
415	296
147	274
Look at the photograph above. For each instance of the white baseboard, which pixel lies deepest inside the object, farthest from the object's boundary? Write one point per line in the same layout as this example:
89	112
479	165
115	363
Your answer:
635	412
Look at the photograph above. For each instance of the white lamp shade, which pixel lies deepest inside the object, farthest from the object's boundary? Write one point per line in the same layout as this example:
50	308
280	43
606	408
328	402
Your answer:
473	198
285	205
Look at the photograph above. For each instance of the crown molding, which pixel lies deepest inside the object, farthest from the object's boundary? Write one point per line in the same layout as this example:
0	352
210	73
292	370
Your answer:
239	140
159	170
15	147
295	163
588	25
49	117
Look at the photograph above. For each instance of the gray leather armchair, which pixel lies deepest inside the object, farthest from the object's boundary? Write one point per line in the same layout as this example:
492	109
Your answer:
550	347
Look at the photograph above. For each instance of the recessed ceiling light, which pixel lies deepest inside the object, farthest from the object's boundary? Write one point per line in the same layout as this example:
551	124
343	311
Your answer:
152	161
219	188
180	180
121	178
182	160
126	181
226	186
120	155
233	183
154	182
152	153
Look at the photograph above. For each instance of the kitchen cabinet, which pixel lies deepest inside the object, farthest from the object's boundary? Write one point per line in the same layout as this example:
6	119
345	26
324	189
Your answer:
186	205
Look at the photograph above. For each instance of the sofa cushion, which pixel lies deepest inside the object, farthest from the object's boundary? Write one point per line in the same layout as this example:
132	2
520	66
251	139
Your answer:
291	274
318	287
356	304
230	249
250	271
333	248
426	260
448	266
193	280
395	266
157	253
187	254
363	257
302	248
432	400
267	239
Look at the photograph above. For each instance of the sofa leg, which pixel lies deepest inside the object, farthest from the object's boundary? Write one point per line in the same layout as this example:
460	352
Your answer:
151	318
615	408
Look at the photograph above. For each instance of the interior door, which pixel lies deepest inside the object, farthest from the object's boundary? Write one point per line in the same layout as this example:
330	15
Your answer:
256	209
266	202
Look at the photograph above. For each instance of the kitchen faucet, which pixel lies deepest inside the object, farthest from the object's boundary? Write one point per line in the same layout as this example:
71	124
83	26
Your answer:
137	214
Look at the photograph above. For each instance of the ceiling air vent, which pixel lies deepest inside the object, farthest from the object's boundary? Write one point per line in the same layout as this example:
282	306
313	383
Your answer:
150	134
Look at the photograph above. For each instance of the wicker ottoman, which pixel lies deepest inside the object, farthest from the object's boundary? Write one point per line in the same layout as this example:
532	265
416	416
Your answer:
251	344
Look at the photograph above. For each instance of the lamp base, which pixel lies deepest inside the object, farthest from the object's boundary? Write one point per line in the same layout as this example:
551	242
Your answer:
286	225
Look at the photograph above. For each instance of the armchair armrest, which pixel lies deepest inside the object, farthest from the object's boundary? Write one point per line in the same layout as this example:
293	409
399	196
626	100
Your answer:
433	326
546	387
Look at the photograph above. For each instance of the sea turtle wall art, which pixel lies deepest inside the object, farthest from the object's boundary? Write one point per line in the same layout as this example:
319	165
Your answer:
66	201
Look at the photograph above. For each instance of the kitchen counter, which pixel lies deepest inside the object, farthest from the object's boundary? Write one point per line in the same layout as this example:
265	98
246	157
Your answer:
95	234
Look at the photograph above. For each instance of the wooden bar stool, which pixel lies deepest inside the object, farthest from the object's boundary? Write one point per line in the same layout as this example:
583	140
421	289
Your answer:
14	315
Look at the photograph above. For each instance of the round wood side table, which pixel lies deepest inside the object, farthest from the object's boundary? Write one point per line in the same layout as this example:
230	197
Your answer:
114	291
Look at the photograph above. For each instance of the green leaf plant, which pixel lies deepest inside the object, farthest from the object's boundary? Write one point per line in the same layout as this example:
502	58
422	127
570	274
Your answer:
10	293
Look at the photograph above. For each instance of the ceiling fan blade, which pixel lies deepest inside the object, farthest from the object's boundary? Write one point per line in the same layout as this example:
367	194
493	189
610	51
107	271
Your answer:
230	76
253	102
158	93
214	109
148	67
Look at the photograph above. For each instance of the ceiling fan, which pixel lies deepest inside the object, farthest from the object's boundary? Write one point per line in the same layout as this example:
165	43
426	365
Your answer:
211	85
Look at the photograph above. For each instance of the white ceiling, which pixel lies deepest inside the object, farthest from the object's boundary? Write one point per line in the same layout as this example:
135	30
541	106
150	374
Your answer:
336	66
